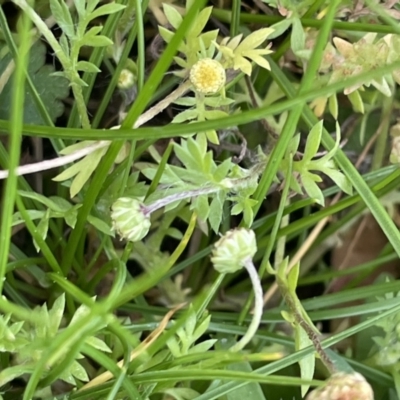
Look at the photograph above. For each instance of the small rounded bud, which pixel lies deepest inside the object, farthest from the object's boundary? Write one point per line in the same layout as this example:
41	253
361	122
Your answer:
208	76
129	220
342	386
233	250
126	79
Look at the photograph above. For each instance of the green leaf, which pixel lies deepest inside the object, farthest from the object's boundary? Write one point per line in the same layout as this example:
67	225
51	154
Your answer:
101	225
55	315
172	15
280	28
313	142
356	101
56	204
52	89
79	372
217	101
86	66
212	136
312	188
186	115
216	211
203	346
97	344
106	9
80	8
243	64
64	44
93	31
91	5
298	37
252	390
173	346
199	23
70	217
201	328
32	214
42	229
82	170
292	278
222	170
61	14
333	106
96	41
186	101
255	39
200	204
191	321
11	373
306	363
166	34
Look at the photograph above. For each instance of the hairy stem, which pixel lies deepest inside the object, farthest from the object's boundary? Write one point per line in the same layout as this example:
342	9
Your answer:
147	210
296	310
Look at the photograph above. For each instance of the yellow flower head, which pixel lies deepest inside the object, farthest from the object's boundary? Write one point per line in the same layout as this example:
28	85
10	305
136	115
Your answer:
208	76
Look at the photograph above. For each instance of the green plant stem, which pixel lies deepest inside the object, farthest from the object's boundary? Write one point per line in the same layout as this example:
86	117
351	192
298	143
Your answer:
296	311
69	70
141	46
281	242
258	307
235	20
382	141
17	104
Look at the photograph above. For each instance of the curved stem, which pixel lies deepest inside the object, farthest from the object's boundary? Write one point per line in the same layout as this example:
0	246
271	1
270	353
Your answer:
258	307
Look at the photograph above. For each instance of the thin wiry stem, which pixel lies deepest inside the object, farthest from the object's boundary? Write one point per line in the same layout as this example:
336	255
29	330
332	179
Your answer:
258	307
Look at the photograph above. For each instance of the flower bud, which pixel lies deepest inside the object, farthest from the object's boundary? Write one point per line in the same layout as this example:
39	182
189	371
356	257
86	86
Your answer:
233	249
208	76
342	386
129	219
126	79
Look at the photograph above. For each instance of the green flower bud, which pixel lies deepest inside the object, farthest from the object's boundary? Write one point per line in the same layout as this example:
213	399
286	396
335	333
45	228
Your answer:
342	386
208	76
129	219
126	79
233	250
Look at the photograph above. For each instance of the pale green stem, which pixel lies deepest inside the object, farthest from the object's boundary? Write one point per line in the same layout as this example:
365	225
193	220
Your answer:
379	155
281	242
258	307
71	73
